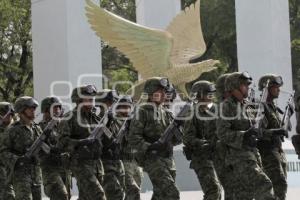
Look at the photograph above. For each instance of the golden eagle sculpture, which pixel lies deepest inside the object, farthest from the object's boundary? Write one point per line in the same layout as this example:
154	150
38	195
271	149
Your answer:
155	52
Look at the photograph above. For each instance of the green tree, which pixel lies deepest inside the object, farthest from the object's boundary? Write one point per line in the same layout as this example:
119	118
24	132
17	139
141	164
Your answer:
295	42
15	49
115	65
219	31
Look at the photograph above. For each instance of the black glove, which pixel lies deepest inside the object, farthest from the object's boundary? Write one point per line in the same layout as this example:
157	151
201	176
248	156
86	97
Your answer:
156	147
279	131
55	150
23	161
114	146
250	137
84	153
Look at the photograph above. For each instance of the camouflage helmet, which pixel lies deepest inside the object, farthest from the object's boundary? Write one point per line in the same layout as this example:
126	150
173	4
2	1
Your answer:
126	99
234	80
25	102
155	83
83	92
171	92
201	88
220	85
48	102
273	80
6	108
107	95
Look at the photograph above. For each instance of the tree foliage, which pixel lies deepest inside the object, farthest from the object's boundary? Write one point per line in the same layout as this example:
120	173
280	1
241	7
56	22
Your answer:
295	42
113	61
15	49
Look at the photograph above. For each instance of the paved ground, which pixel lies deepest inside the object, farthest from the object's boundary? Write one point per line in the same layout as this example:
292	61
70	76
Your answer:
293	194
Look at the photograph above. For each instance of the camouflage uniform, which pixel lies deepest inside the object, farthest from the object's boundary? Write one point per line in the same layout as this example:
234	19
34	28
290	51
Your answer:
25	173
114	178
6	190
296	138
85	164
200	137
133	179
234	129
56	178
224	172
270	146
133	173
146	128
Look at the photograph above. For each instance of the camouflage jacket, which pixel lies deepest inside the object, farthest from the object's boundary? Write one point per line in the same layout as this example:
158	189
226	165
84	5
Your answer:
54	158
114	126
147	126
2	134
235	118
271	121
201	128
15	142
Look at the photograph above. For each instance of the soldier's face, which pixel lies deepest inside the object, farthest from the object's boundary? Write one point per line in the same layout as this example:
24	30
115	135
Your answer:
7	120
123	110
56	111
244	89
87	104
159	96
207	98
274	91
29	113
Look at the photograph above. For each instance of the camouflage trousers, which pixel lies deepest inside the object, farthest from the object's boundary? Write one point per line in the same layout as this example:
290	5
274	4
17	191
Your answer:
6	190
89	177
207	177
162	174
274	163
56	182
251	182
224	173
133	180
114	179
226	177
27	183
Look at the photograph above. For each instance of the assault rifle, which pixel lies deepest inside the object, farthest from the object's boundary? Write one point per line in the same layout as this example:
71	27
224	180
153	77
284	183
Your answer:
289	111
101	129
173	130
40	143
260	110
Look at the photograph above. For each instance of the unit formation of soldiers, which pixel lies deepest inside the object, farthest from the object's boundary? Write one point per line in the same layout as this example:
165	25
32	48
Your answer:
232	139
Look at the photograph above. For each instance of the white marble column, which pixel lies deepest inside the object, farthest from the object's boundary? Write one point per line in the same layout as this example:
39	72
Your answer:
263	38
64	47
156	13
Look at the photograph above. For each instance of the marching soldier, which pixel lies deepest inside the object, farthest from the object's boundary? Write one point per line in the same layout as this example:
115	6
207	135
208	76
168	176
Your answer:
105	99
147	126
234	128
270	146
7	113
224	172
25	172
200	137
56	179
74	130
296	138
114	178
133	173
